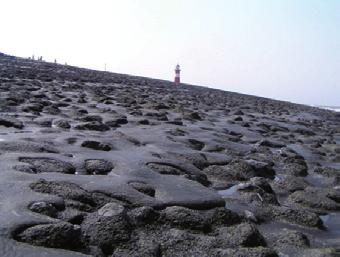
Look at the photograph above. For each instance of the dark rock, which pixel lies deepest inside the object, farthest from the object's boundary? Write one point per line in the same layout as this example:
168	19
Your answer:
321	252
25	147
62	124
144	248
106	228
25	168
89	118
143	215
177	243
11	122
193	116
262	169
80	112
176	122
261	183
98	166
117	122
96	126
172	169
144	122
316	198
304	131
182	217
82	207
241	170
238	112
296	168
199	160
44	208
238	118
95	145
257	191
271	143
291	238
289	184
72	216
44	122
327	171
111	209
45	164
165	169
238	170
297	216
249	252
58	235
53	110
34	108
63	189
222	216
196	144
112	123
143	188
242	235
161	106
122	120
219	176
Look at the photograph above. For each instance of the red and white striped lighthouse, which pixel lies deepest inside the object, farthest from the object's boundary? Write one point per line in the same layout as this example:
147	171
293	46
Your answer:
178	75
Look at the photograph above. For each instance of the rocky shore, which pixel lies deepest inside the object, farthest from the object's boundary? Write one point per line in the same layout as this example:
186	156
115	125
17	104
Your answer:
110	165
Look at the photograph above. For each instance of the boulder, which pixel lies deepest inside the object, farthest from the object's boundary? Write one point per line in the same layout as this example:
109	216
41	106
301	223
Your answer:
61	123
11	122
106	228
96	126
45	164
242	235
177	216
98	166
95	145
59	235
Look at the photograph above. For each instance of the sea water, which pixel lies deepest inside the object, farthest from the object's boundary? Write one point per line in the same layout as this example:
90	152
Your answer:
332	108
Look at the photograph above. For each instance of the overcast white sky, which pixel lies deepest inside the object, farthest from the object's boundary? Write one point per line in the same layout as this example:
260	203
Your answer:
283	49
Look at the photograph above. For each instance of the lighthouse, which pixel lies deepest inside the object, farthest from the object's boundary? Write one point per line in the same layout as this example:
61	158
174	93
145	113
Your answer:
177	75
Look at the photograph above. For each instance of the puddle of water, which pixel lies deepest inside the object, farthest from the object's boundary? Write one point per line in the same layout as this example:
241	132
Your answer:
228	192
231	201
22	132
315	180
332	223
324	218
324	238
305	152
14	135
236	206
278	178
335	165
